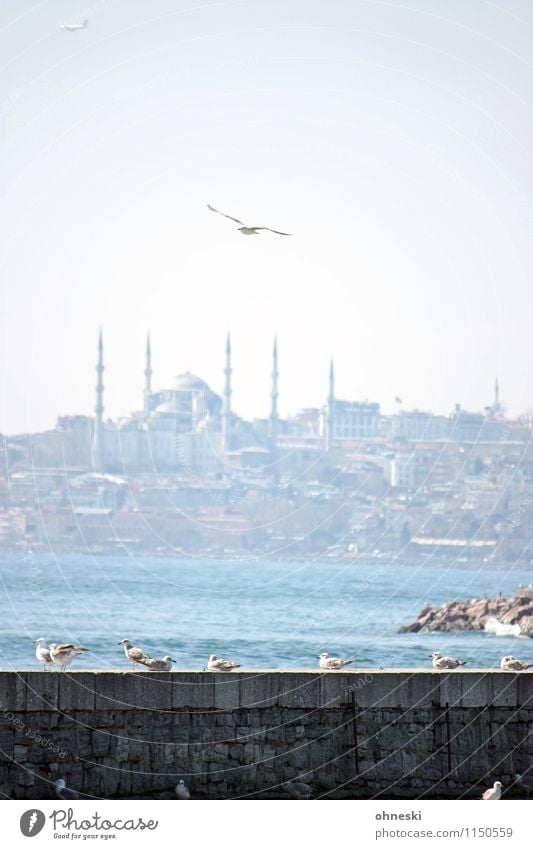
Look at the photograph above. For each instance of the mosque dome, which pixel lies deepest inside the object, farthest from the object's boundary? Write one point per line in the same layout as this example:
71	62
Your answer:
188	382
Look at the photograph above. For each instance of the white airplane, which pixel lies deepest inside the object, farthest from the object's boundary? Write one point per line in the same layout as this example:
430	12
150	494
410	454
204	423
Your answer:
74	27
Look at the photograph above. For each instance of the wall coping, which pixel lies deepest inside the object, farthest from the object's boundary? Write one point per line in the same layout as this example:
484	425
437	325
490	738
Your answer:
179	690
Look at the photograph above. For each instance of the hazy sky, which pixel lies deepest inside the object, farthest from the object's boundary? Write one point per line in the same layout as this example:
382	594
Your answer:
392	138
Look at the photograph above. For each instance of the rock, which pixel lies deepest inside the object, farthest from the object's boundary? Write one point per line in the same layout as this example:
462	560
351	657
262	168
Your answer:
472	615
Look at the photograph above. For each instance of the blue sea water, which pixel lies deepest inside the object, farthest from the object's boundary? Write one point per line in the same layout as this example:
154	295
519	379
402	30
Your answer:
261	614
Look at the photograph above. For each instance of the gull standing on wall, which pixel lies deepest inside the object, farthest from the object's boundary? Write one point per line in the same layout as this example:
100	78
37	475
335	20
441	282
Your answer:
64	654
215	664
493	794
327	662
246	229
133	653
154	664
440	662
512	664
42	652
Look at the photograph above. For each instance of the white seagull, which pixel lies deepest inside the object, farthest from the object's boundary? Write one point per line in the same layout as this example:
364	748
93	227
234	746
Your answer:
64	654
133	653
511	664
215	664
63	792
42	652
245	229
493	793
440	662
182	791
74	27
327	662
156	665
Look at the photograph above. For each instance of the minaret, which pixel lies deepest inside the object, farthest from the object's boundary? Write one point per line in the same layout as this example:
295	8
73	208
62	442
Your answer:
330	416
148	378
273	423
98	448
496	405
226	405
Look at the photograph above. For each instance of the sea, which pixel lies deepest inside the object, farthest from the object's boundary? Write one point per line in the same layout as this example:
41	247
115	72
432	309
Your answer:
263	615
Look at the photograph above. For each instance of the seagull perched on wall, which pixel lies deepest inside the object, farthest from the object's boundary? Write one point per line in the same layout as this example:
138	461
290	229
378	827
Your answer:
64	654
512	664
63	792
133	653
327	662
215	664
42	652
245	229
440	662
182	791
74	27
156	665
493	794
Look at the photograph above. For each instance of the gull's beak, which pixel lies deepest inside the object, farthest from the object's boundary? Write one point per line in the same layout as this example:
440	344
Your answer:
173	661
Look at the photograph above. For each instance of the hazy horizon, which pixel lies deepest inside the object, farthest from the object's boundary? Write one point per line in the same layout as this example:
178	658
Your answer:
392	141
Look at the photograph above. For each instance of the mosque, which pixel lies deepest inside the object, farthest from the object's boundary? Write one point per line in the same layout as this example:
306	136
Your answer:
189	427
186	426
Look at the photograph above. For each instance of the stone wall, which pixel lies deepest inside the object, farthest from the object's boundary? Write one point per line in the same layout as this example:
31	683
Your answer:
401	733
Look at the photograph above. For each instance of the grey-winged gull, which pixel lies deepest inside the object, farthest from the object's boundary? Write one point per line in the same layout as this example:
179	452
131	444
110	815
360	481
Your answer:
64	654
154	664
134	653
441	662
325	661
42	652
215	664
512	664
245	229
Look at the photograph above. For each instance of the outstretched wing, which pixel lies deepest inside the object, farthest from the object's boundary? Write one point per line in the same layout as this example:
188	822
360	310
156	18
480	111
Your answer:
279	232
231	218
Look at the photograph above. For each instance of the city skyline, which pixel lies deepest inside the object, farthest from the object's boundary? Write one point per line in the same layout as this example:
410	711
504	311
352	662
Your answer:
224	388
381	139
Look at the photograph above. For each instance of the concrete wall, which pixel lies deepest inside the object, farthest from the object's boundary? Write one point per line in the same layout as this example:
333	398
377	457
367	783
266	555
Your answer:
402	733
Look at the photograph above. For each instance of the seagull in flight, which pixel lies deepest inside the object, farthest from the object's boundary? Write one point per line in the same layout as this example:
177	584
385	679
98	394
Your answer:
74	27
245	229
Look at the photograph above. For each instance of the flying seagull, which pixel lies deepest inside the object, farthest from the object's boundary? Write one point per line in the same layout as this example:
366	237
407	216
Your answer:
246	230
218	665
493	794
63	792
74	27
64	654
440	662
327	662
42	652
182	791
133	653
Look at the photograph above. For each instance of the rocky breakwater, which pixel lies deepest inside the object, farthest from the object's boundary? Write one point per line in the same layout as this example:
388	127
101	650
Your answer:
474	615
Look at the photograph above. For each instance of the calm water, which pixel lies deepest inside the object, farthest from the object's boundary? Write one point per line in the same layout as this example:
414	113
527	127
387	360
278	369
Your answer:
260	614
